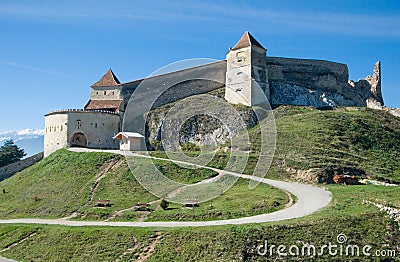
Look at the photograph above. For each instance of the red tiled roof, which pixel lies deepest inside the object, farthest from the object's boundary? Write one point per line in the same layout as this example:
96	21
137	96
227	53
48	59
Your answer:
246	41
108	79
103	105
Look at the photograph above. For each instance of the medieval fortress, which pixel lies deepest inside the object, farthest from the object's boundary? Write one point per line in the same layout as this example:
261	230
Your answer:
245	73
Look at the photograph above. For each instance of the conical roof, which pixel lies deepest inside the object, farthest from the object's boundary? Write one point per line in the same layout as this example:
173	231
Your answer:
108	79
246	41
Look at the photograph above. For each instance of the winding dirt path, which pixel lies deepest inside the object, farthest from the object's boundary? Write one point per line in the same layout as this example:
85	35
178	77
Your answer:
309	200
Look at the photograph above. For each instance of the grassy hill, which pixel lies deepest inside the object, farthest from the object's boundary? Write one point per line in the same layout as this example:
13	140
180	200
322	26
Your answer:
320	143
69	184
312	142
358	138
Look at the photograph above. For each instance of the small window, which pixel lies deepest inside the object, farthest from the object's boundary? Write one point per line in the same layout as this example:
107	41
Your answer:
95	125
105	92
240	57
78	124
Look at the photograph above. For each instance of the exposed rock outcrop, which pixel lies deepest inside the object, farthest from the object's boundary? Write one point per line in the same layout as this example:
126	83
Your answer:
199	130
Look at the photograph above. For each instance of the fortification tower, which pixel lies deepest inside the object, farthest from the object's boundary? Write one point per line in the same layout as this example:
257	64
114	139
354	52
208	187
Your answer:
247	73
106	94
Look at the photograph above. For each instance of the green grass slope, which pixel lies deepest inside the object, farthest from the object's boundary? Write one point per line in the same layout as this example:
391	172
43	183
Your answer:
69	184
308	139
53	187
360	138
363	140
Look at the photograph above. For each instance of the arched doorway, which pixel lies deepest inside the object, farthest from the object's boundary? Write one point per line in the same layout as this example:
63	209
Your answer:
79	140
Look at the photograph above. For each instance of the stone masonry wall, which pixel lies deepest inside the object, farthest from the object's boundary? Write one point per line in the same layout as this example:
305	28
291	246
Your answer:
9	170
98	128
314	74
320	83
184	83
292	81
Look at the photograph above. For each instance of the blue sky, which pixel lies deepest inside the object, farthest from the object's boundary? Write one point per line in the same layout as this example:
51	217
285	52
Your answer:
51	53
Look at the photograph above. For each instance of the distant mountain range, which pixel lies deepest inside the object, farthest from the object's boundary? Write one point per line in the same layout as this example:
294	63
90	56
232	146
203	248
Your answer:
31	140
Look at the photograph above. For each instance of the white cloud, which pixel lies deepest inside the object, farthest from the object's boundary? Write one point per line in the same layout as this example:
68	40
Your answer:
23	134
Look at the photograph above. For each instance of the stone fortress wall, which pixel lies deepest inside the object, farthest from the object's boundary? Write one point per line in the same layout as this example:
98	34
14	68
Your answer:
320	83
283	73
9	170
292	81
182	83
94	129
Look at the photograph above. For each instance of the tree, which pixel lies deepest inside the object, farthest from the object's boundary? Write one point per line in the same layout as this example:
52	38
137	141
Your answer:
10	153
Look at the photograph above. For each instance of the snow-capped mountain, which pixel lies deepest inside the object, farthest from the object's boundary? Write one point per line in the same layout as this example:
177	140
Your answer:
31	140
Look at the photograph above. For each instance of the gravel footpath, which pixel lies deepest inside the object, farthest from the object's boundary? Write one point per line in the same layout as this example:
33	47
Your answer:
309	200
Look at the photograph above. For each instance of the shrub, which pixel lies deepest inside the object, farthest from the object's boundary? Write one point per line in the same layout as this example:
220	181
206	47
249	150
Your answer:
164	204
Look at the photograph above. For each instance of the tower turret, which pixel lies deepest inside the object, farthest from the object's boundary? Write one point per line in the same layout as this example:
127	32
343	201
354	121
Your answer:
246	73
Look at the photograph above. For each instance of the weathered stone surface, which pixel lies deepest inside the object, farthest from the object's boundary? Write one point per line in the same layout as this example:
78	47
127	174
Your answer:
200	130
297	95
371	103
375	83
313	74
321	83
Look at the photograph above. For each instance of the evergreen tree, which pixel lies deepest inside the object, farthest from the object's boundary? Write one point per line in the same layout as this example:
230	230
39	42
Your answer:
10	153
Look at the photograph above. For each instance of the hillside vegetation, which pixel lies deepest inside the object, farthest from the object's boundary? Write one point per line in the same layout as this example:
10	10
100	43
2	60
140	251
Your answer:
312	145
358	138
69	184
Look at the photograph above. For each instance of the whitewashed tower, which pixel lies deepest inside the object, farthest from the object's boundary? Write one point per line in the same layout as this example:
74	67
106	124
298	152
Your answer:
246	72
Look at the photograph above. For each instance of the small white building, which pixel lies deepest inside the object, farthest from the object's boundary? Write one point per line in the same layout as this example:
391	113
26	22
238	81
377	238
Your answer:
130	141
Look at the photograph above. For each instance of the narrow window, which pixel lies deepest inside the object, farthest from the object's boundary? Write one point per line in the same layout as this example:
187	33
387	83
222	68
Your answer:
105	92
78	124
240	57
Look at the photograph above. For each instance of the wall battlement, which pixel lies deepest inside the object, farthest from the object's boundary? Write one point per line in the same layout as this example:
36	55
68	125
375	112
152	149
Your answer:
80	111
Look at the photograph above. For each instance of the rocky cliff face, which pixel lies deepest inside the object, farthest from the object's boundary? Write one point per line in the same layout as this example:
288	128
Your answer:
290	94
199	130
